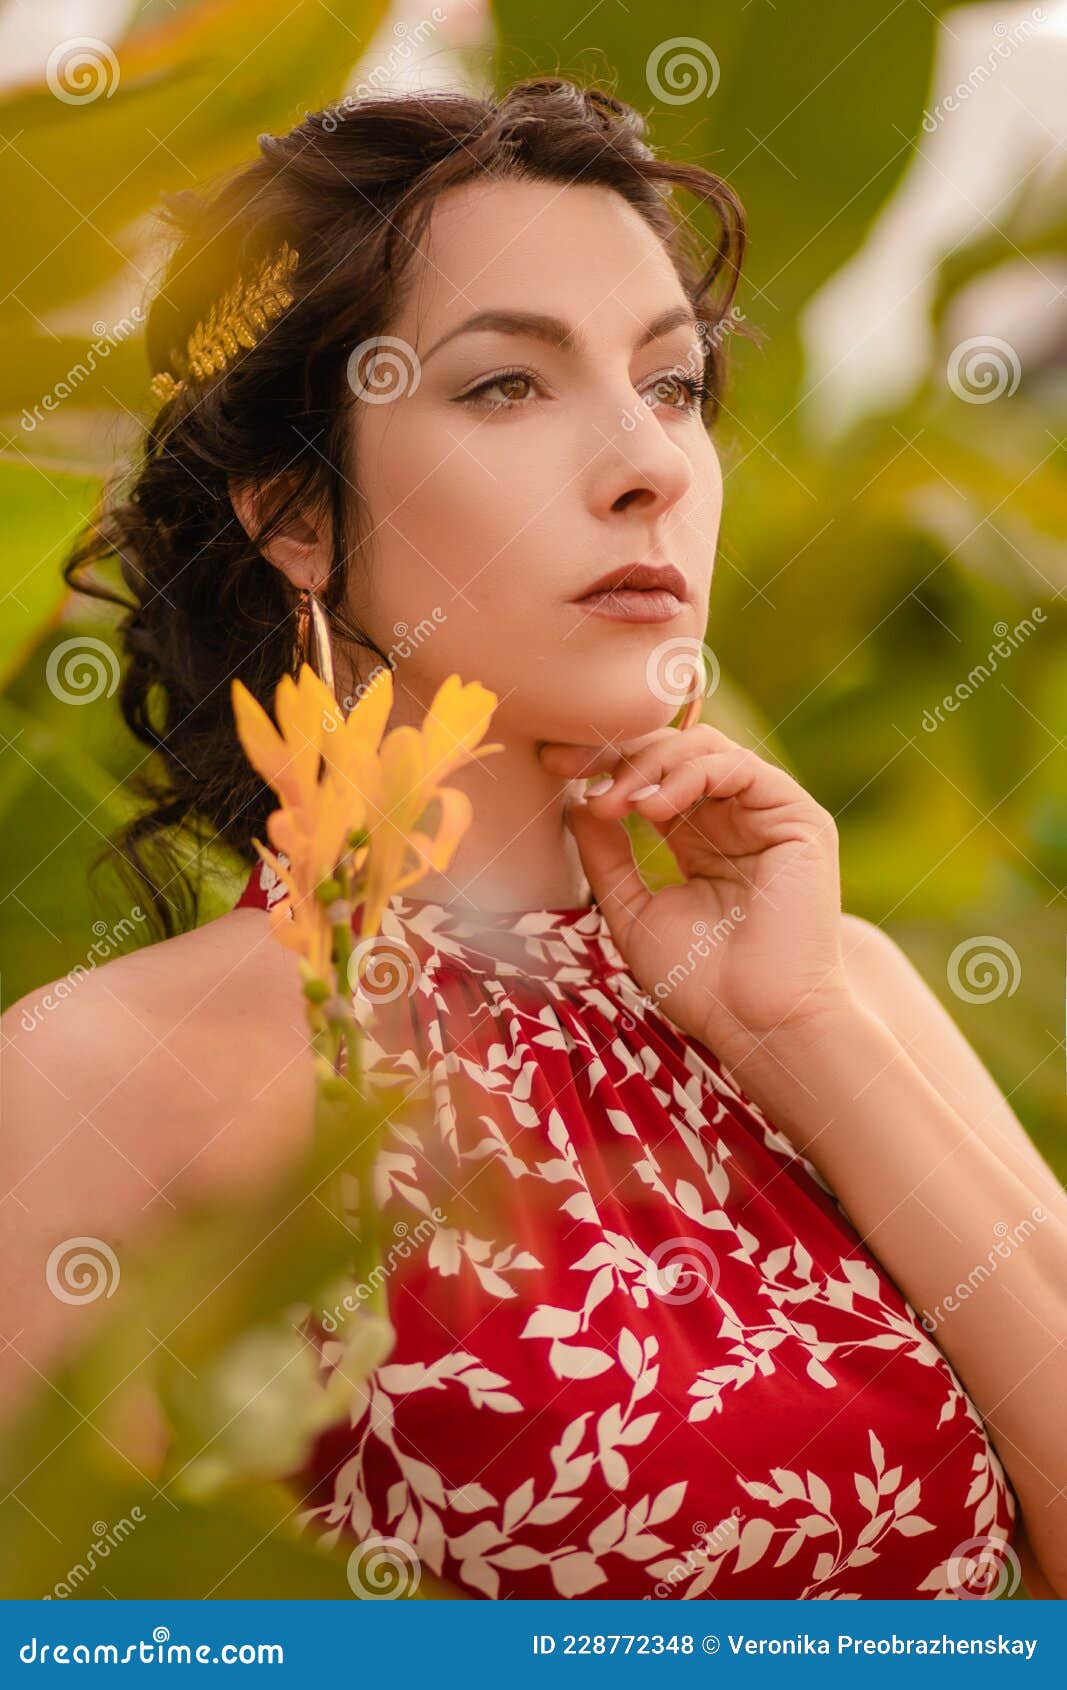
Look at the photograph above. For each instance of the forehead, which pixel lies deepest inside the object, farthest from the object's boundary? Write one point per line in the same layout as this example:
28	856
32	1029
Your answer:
580	252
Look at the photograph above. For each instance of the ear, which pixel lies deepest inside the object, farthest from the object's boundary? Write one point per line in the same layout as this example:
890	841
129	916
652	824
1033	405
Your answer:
301	549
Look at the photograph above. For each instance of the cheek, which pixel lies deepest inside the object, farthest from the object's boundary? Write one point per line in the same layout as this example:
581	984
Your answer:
455	549
462	515
700	516
707	489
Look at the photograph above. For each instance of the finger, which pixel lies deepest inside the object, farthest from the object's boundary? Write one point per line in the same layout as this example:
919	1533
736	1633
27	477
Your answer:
716	775
575	761
608	861
654	765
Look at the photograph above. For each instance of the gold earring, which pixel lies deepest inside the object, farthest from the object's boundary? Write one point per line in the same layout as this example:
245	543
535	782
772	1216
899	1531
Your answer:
311	621
692	713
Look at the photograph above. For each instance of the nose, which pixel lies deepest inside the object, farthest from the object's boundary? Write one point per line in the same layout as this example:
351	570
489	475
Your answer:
639	465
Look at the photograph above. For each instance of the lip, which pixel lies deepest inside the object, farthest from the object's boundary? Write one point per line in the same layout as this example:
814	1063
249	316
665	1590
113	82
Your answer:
640	577
651	604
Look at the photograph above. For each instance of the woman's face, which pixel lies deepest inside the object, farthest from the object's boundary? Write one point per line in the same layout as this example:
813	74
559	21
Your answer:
491	512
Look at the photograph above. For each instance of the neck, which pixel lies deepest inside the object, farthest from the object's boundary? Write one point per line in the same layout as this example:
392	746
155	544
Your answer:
516	854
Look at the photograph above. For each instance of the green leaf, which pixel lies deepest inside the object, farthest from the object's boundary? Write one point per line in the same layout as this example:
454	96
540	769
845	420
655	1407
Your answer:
813	155
175	102
43	514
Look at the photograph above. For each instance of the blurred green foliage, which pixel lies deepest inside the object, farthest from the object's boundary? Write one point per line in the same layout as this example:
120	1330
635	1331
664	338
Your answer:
857	584
175	1426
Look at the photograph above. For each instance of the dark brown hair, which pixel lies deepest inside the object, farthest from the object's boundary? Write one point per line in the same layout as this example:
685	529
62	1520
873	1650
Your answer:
351	188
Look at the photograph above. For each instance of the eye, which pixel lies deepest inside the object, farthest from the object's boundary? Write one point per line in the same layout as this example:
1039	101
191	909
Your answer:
695	390
506	378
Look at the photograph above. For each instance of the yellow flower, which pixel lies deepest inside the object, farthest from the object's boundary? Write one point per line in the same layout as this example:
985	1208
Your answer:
313	823
406	778
336	775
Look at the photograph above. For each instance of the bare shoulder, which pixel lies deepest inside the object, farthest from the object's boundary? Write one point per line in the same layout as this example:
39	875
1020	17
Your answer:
182	1064
886	980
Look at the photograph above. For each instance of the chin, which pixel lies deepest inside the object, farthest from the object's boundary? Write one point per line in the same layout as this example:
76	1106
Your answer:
612	716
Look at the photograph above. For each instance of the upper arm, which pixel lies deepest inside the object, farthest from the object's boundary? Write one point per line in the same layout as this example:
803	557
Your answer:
173	1072
889	984
886	980
1037	1585
66	1174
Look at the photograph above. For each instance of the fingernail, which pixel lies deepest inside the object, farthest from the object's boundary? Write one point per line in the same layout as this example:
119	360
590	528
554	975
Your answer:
645	791
598	786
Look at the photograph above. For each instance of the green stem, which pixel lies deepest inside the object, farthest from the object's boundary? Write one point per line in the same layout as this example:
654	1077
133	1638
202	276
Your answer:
342	1037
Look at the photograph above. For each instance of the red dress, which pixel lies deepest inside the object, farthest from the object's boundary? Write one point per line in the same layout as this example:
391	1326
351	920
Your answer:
641	1351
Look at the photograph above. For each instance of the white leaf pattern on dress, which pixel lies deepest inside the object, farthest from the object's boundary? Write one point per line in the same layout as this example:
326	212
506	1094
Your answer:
557	1419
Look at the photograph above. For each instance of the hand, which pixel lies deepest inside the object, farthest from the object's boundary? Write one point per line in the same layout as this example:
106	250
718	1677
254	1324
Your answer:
749	944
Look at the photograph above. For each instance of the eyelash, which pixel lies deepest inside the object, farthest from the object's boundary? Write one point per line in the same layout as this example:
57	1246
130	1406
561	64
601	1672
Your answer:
697	390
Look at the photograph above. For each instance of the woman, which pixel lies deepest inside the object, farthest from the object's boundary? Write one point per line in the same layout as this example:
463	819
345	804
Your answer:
695	1157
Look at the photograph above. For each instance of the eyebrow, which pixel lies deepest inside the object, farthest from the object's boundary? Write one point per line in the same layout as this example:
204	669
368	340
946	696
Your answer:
555	330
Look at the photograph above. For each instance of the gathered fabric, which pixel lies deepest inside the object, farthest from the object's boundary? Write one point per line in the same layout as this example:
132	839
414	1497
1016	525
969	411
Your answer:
640	1348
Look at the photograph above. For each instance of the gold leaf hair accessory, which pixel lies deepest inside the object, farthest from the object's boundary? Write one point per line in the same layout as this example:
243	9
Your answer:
240	318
